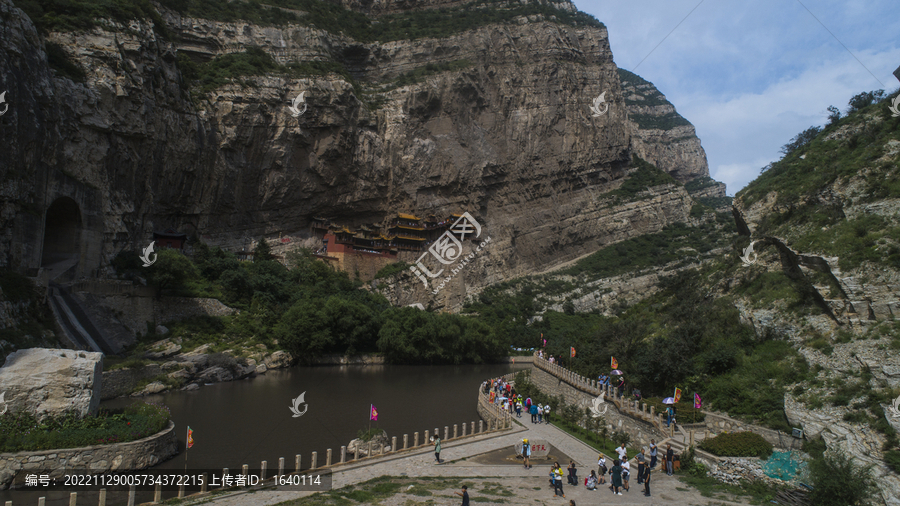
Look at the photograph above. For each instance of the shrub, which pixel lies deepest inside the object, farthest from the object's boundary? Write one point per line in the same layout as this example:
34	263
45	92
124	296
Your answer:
620	436
23	432
837	482
737	444
892	459
391	269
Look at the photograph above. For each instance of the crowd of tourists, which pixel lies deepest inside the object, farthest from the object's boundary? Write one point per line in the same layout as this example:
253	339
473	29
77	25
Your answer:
503	394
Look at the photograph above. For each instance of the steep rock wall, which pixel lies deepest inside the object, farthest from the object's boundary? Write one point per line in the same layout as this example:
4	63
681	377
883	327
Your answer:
509	138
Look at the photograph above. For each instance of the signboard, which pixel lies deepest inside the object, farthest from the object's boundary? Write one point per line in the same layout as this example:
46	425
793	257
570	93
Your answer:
539	447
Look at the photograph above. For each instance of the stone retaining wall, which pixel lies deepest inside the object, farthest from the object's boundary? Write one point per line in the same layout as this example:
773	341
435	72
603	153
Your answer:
641	432
139	454
717	423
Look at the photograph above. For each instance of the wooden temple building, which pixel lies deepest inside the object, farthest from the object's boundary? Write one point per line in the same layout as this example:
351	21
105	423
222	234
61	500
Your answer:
365	249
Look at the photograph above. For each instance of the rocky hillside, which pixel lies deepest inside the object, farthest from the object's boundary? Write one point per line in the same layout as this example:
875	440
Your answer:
827	214
166	117
802	332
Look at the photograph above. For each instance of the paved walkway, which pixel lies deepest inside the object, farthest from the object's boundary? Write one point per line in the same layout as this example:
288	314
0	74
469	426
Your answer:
666	490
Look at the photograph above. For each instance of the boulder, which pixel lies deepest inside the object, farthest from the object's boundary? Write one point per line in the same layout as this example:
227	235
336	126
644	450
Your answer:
261	369
160	330
162	349
153	388
215	375
278	360
180	374
170	365
192	386
378	441
47	382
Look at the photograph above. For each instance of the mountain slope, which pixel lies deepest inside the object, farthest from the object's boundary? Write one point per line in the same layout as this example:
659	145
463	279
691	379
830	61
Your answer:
174	120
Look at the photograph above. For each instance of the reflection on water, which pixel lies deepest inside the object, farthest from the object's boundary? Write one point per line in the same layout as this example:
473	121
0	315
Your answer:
248	421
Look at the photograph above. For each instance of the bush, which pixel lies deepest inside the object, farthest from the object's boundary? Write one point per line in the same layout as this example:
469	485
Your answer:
837	482
391	269
892	459
737	444
23	432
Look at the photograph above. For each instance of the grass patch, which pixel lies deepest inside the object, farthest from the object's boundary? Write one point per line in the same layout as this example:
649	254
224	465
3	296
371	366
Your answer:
665	122
111	363
757	492
675	243
82	15
419	74
254	61
23	432
645	175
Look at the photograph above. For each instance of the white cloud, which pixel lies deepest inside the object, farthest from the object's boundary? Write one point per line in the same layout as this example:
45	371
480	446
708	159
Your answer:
751	75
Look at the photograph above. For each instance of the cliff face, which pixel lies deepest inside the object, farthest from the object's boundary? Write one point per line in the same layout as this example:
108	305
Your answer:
510	138
661	135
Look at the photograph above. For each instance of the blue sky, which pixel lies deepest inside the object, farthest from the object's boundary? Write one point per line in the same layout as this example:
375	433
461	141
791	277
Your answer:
750	75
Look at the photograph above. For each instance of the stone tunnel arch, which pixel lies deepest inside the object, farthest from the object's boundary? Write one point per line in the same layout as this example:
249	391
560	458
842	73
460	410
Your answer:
62	232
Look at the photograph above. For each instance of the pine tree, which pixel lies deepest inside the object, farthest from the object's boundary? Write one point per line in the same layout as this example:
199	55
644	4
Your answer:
263	251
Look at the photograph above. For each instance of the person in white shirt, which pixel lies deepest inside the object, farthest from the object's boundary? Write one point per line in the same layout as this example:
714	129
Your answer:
626	471
622	452
540	414
547	413
601	468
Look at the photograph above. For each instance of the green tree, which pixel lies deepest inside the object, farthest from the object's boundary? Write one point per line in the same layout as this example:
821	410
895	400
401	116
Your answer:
801	139
864	99
263	251
408	336
837	482
304	331
171	270
354	326
834	114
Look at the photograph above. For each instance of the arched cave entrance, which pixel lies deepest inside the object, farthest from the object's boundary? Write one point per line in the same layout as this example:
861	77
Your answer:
62	232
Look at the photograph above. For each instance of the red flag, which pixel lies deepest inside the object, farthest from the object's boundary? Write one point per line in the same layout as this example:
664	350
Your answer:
572	352
190	438
613	362
698	402
677	394
373	413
